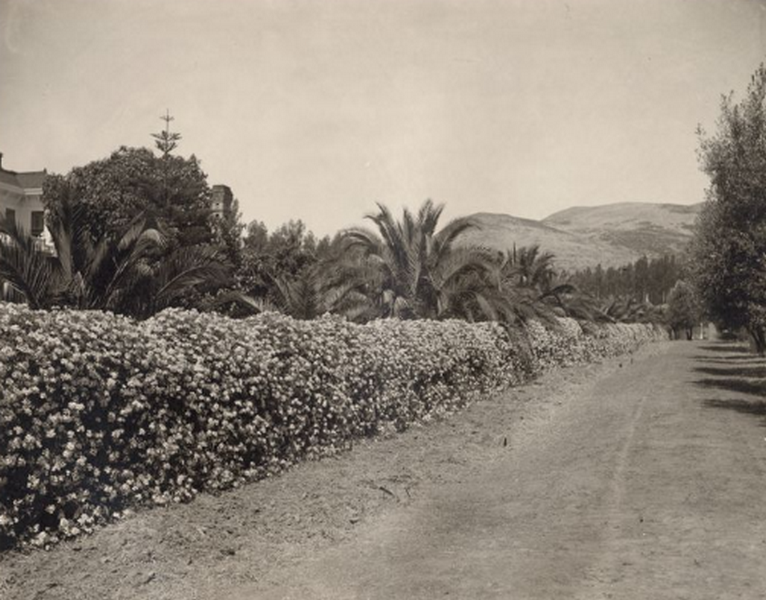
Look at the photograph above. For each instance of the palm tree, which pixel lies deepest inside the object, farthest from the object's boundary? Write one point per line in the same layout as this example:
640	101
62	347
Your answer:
538	291
529	267
179	278
311	293
25	272
408	269
628	309
129	274
529	280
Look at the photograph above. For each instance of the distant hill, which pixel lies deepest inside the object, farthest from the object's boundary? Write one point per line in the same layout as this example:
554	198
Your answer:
612	235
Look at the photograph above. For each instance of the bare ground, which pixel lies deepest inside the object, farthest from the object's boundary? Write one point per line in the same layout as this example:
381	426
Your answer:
642	477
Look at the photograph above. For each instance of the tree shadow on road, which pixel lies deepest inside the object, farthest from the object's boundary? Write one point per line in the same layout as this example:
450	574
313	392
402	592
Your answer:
754	407
734	370
736	384
726	347
731	359
728	353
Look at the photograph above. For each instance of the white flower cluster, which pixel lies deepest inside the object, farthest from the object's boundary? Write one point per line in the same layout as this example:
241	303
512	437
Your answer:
99	413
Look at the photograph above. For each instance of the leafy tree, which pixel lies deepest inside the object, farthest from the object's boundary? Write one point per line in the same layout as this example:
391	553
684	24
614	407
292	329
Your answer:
292	248
228	234
643	280
684	311
729	248
598	281
256	237
290	271
282	255
171	191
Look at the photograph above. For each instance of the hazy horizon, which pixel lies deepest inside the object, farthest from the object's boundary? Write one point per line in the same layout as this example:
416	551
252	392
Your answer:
318	110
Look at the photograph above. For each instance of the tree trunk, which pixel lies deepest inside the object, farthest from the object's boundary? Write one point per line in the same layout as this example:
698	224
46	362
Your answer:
759	339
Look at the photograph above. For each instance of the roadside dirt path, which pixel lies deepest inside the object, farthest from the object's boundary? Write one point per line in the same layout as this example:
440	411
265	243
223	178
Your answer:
643	477
648	484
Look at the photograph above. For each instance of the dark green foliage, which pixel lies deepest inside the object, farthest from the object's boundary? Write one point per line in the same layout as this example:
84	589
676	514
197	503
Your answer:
625	309
166	141
406	268
171	191
684	312
644	280
274	267
26	273
132	272
228	234
533	287
728	250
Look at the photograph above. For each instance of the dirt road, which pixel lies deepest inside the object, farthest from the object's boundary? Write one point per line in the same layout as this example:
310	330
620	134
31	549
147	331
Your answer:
640	478
648	484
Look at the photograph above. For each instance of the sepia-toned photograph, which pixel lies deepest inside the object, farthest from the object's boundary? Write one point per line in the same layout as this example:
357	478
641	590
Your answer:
382	299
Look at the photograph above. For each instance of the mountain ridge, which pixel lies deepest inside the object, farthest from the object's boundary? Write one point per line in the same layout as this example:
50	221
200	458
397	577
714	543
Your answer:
585	236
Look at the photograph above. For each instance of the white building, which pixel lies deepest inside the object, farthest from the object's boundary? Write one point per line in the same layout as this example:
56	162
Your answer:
21	199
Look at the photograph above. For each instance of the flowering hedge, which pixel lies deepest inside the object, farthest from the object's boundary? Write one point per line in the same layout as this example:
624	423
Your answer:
99	413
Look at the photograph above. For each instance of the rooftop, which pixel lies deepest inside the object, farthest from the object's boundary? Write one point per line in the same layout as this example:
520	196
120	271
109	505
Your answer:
25	180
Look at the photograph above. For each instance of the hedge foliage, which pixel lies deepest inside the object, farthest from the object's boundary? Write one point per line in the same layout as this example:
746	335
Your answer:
99	413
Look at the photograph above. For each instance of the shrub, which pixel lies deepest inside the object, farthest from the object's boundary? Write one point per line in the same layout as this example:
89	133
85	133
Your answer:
99	413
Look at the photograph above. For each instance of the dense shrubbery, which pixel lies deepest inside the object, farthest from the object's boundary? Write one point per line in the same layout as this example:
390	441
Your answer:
99	413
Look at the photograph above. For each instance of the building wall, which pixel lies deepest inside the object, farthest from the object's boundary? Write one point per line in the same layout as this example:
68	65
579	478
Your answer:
221	200
21	197
23	202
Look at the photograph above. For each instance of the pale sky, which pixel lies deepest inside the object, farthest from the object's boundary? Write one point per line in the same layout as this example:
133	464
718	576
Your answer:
318	109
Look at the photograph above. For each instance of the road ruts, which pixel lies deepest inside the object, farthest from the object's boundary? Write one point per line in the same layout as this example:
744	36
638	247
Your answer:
649	483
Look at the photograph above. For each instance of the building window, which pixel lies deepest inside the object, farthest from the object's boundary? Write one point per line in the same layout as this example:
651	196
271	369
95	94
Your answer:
10	216
38	222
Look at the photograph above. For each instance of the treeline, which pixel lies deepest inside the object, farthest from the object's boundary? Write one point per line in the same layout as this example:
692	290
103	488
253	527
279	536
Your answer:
645	280
404	267
136	232
289	268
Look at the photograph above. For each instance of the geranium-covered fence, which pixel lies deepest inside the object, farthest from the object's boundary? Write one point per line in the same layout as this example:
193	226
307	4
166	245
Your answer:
99	413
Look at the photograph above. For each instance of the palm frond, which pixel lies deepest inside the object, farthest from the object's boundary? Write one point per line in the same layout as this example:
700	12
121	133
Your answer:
252	305
185	269
24	266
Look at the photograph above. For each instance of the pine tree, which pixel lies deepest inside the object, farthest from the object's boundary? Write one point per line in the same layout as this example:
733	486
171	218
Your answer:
166	140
